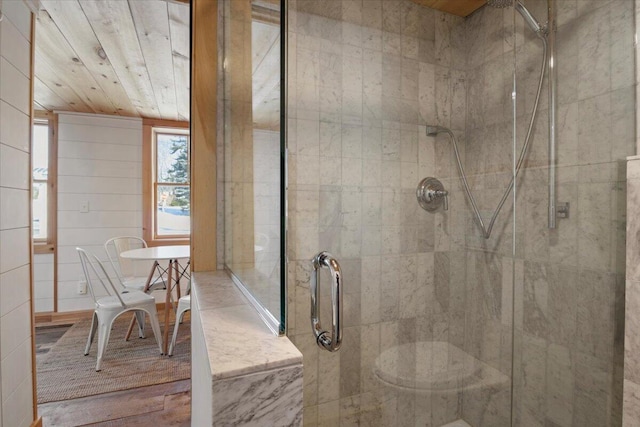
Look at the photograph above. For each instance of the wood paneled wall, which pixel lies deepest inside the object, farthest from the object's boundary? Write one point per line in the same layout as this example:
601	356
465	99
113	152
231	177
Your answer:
204	57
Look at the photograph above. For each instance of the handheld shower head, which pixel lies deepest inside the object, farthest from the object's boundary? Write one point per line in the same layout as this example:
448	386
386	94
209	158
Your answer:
528	18
522	10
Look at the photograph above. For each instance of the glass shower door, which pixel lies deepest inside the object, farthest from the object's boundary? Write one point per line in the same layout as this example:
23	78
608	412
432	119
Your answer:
569	287
428	302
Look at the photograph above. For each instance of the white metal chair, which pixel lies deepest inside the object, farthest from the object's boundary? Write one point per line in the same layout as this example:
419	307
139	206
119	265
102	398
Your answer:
108	308
125	271
184	305
124	268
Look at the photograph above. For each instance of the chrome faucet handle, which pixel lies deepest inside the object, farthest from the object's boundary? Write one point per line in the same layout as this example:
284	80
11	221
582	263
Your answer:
444	194
431	194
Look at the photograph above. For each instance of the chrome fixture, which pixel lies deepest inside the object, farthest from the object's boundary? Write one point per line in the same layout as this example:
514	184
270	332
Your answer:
547	34
522	10
563	210
544	33
528	18
330	342
553	83
431	194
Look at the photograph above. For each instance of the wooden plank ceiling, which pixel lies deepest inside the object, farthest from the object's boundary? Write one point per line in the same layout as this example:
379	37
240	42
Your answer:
456	7
128	58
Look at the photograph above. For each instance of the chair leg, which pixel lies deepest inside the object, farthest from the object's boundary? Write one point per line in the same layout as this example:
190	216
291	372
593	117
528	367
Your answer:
155	325
104	330
140	320
130	329
182	309
179	317
92	333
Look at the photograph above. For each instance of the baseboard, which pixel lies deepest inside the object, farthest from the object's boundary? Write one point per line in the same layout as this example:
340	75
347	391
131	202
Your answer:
51	318
60	318
37	423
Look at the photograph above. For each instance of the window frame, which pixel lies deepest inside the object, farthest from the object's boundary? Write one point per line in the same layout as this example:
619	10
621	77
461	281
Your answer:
150	128
48	245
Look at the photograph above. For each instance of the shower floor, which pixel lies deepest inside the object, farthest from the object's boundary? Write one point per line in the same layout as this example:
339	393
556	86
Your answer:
458	423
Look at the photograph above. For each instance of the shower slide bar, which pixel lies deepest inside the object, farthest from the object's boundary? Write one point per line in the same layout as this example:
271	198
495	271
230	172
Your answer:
330	342
546	35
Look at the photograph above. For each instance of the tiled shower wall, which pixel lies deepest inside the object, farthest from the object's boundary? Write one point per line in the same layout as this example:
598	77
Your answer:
568	281
631	399
570	371
364	78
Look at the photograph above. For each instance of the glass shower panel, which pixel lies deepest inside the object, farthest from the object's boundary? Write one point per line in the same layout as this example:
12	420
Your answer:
252	151
427	299
569	287
489	162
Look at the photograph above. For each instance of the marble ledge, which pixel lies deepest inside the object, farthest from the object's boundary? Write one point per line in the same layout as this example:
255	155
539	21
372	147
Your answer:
633	168
237	340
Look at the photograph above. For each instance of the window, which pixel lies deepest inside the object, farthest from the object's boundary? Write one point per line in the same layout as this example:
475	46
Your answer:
168	210
43	182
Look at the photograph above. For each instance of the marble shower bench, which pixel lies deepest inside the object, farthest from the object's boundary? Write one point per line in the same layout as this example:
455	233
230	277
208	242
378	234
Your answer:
241	373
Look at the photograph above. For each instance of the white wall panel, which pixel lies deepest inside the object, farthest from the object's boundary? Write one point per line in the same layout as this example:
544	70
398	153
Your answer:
99	185
12	294
101	168
100	202
14	248
14	330
101	120
90	150
14	86
99	163
87	133
17	135
15	48
14	209
15	278
14	168
18	14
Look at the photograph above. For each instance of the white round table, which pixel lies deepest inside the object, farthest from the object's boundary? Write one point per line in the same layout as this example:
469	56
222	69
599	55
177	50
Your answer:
162	253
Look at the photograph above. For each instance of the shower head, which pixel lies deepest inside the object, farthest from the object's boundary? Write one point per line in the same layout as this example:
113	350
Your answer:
522	10
528	18
433	130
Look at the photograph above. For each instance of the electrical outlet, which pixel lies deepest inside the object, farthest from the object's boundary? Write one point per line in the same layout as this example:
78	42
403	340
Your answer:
82	287
84	206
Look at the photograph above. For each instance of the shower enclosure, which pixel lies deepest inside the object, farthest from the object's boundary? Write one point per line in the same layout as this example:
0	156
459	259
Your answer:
505	308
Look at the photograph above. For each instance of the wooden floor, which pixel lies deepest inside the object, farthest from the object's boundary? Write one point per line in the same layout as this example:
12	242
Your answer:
158	405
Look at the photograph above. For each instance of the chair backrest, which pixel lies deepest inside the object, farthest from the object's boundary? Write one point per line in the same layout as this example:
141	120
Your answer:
123	267
95	273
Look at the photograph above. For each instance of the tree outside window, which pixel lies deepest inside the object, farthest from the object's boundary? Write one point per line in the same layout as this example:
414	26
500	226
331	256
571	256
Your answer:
172	185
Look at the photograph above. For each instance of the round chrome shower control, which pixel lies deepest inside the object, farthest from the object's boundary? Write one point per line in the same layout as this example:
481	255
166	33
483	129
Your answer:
431	194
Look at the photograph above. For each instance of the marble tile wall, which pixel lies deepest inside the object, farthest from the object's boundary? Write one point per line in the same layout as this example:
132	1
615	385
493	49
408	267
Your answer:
569	281
631	387
631	411
246	376
364	79
357	107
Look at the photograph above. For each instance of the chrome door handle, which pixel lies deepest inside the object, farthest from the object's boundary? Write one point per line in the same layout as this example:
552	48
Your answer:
332	341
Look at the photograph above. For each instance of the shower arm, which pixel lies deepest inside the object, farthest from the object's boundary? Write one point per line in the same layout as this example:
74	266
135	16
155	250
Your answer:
486	231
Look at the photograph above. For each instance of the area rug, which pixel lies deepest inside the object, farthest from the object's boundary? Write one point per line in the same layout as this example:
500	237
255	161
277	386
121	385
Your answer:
66	373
